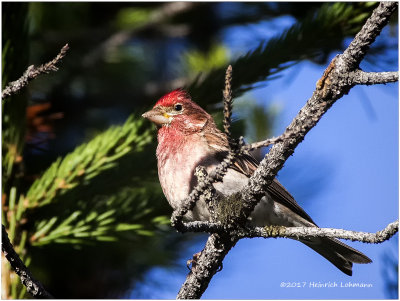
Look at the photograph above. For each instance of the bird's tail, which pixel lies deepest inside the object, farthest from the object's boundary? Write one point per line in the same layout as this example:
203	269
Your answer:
338	253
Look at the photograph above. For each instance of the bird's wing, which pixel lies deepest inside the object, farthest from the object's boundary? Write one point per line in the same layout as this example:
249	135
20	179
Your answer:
282	196
218	141
247	164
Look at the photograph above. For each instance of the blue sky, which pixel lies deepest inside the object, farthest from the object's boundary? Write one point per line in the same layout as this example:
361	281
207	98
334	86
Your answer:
349	163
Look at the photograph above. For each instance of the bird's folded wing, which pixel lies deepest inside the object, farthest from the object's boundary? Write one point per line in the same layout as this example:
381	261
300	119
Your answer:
246	164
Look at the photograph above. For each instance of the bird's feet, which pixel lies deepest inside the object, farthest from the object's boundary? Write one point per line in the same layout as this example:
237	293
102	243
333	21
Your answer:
192	263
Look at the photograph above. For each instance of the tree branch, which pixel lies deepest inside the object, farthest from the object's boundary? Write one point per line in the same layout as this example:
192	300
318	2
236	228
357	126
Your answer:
297	232
206	267
228	102
312	232
268	142
32	72
357	49
360	77
330	88
33	286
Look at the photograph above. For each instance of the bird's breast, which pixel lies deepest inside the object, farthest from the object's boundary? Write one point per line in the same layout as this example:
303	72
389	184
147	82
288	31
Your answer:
177	161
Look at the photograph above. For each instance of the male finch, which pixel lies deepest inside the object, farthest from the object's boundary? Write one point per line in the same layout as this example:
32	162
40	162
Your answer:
188	137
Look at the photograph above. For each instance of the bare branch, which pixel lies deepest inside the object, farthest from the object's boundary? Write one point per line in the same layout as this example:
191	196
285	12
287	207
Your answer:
311	232
265	143
360	77
228	102
357	49
32	72
207	265
297	232
33	286
198	226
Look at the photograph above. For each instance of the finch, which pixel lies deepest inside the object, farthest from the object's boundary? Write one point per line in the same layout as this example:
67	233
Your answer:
188	137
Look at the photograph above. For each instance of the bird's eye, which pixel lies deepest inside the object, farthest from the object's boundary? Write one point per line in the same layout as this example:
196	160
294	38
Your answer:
178	107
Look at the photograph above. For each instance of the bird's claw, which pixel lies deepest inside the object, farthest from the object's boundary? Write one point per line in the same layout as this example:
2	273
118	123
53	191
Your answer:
191	263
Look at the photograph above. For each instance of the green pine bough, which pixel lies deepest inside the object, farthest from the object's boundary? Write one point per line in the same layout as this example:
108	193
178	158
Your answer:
95	217
127	210
88	161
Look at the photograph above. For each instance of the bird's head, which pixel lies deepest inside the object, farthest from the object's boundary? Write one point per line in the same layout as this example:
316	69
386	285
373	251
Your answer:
176	110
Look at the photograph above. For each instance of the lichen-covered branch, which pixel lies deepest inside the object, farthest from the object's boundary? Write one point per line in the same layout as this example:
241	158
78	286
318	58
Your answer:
268	142
32	72
358	48
228	102
309	232
330	88
33	286
297	232
360	77
208	227
207	265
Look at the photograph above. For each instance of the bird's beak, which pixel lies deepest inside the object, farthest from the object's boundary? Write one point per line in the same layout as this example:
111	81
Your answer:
158	116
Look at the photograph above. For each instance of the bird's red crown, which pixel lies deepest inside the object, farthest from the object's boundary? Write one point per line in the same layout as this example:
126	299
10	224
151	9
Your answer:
173	97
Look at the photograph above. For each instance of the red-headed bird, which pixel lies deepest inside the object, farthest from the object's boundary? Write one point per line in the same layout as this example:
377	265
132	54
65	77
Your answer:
188	137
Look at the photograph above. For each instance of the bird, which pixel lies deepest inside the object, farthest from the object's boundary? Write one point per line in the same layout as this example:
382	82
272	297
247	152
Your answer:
188	137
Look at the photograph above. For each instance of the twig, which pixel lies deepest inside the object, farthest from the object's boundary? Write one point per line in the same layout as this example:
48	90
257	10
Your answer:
265	143
33	286
297	232
330	88
311	232
228	102
360	77
208	227
32	72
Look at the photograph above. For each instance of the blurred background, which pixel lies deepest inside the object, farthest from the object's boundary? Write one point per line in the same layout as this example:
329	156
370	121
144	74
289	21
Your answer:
81	199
